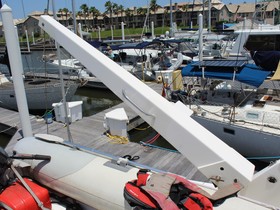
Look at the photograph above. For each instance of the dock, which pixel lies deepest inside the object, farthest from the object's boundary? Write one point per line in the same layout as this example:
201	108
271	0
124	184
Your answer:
89	132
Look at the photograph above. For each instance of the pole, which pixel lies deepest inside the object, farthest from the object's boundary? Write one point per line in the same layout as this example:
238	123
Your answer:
17	69
209	16
153	29
123	37
27	41
80	30
54	11
200	22
99	33
112	33
171	20
33	39
74	17
200	25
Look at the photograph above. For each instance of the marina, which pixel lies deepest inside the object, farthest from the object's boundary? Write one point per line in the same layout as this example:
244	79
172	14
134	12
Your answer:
88	157
89	132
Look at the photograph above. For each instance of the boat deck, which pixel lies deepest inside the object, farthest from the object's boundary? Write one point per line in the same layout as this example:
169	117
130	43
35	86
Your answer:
267	124
89	132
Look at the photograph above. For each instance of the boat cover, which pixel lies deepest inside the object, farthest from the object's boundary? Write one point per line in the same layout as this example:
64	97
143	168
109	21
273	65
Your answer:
134	45
266	59
240	71
97	44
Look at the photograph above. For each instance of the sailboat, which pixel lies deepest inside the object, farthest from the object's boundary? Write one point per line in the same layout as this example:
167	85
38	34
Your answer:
245	100
96	181
41	93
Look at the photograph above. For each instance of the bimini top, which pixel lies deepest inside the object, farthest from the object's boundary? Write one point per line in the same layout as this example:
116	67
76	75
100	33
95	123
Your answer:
134	45
227	69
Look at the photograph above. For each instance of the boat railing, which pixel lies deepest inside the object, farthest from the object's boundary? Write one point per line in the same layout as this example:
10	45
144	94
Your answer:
237	115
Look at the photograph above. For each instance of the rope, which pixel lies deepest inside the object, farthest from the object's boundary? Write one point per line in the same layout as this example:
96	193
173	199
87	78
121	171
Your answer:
152	140
157	147
117	139
142	129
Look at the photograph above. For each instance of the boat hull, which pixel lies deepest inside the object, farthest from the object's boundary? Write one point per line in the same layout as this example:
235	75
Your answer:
250	143
39	97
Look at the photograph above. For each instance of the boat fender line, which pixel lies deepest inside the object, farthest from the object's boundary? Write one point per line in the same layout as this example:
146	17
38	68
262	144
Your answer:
117	139
130	158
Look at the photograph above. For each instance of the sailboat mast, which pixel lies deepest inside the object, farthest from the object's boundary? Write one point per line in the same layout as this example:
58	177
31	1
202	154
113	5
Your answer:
209	16
74	16
171	19
17	69
54	11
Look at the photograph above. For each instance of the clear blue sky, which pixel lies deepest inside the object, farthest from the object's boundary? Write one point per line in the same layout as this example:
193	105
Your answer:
21	8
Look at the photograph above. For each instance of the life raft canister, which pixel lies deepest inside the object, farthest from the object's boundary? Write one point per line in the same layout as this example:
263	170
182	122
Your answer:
164	191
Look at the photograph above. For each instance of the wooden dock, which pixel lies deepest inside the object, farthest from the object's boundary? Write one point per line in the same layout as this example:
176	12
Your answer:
89	132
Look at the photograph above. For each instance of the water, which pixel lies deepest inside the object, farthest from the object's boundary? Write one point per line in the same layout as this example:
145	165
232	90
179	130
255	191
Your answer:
95	100
4	139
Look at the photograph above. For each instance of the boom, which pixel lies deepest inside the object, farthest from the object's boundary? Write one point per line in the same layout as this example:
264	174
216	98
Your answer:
216	160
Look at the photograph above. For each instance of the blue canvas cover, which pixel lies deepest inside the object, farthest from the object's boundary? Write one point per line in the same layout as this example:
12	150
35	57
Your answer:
247	73
266	59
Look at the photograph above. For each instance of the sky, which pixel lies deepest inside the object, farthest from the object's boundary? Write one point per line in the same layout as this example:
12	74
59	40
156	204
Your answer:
21	8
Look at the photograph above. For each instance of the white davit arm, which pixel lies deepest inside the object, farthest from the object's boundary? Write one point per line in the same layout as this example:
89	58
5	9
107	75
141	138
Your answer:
209	154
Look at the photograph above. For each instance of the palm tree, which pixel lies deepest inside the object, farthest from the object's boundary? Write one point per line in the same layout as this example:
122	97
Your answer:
116	12
84	9
121	9
154	6
60	11
109	9
185	8
141	11
128	14
66	12
95	13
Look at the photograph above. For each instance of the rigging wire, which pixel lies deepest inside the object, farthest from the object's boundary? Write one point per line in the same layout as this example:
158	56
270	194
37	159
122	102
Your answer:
23	9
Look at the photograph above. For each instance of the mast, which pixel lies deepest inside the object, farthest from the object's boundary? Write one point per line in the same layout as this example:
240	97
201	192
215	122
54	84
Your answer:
171	19
16	68
74	16
209	16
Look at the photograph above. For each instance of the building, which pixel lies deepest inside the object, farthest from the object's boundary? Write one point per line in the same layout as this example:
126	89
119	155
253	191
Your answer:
183	14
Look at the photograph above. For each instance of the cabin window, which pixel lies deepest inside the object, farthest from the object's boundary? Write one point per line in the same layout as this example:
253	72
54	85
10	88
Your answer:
251	115
229	131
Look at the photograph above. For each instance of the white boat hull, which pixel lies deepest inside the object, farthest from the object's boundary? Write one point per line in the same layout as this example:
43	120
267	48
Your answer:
39	97
248	142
